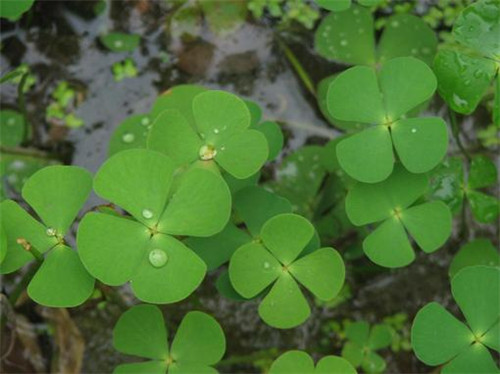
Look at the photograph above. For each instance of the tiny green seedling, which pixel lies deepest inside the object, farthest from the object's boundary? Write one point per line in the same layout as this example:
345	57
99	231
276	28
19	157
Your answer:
221	137
301	362
448	183
392	202
438	338
362	343
56	194
199	342
387	96
275	260
124	69
61	109
164	205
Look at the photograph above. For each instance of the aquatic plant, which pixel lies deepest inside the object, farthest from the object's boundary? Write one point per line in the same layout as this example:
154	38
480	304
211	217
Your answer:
301	362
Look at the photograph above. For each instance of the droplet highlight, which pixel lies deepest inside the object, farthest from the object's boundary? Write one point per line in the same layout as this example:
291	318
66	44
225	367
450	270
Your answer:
146	213
158	258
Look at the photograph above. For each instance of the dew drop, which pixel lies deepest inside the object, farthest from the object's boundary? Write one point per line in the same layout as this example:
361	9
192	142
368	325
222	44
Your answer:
118	44
128	137
207	152
145	121
223	148
216	131
266	265
158	258
459	101
343	42
51	231
11	121
395	24
146	213
414	51
413	131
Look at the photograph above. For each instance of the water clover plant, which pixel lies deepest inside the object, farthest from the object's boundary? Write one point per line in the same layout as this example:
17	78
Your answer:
164	205
199	342
12	128
124	69
275	261
13	10
387	95
120	42
56	194
393	202
362	343
465	73
439	338
220	135
477	252
449	184
301	362
340	5
131	133
349	37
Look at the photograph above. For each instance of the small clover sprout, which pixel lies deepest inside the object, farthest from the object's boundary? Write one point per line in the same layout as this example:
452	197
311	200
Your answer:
349	37
465	74
199	342
476	252
275	260
124	69
221	135
392	202
120	42
301	362
163	204
56	194
438	338
362	343
448	184
387	96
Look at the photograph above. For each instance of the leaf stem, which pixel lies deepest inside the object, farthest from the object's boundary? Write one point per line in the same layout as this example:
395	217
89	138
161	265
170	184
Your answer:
456	133
29	248
23	283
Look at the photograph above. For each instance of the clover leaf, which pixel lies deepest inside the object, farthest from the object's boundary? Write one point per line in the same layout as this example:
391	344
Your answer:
120	42
465	73
340	5
349	37
275	261
301	362
438	338
163	204
387	95
362	343
56	194
220	135
179	98
131	133
12	128
448	183
198	344
476	252
392	202
13	10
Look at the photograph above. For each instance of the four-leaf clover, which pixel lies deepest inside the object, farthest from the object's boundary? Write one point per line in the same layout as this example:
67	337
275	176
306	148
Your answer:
163	204
380	100
299	362
393	202
439	338
362	344
275	261
221	134
199	342
56	194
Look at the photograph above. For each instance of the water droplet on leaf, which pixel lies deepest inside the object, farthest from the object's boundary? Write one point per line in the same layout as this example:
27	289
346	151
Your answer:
51	231
128	137
158	258
146	213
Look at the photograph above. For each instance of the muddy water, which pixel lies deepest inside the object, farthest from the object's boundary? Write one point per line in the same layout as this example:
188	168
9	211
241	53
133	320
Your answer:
60	43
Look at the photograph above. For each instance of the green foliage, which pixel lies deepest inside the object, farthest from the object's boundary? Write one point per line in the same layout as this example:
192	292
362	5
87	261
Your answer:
398	324
56	194
15	76
120	42
60	111
387	96
12	128
392	202
221	135
465	72
476	252
349	37
276	260
438	338
163	204
341	5
199	342
13	10
285	11
362	343
124	69
131	133
301	362
448	184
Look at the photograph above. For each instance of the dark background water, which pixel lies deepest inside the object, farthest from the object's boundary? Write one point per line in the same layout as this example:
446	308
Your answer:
58	40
